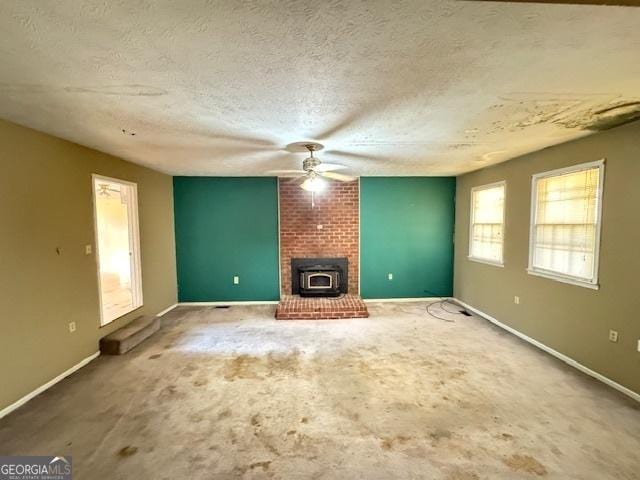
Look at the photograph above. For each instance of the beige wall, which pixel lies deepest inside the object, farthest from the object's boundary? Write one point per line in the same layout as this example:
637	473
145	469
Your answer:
570	319
46	203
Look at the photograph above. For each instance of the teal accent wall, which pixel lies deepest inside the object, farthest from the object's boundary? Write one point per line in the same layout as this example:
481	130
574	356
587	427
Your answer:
226	226
406	228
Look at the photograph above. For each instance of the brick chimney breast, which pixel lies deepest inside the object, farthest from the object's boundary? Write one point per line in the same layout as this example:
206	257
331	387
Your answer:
329	229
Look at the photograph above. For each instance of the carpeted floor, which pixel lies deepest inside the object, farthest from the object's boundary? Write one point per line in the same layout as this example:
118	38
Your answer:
233	393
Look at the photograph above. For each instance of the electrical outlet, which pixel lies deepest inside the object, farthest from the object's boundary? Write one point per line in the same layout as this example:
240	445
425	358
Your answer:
72	327
613	336
236	280
516	300
319	227
88	249
390	276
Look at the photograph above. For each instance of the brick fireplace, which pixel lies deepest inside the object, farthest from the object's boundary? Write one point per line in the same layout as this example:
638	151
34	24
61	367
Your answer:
328	229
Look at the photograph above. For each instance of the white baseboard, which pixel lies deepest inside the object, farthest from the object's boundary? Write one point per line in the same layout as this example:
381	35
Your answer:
214	304
49	384
167	310
276	302
399	300
555	353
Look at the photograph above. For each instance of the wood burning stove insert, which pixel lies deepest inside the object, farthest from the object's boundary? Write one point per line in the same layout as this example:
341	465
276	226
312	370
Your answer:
319	277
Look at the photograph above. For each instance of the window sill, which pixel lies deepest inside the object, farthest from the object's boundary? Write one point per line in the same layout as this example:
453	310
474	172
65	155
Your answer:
563	279
486	262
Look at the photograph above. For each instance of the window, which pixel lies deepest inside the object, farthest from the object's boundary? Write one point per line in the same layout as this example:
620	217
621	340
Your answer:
487	223
565	224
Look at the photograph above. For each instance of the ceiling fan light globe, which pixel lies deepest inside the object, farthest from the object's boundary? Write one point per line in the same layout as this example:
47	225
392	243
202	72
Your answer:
314	184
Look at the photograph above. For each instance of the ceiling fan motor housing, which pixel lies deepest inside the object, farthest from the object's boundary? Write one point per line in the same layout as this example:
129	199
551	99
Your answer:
310	163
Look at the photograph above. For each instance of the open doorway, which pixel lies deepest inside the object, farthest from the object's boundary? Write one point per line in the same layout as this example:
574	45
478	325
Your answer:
117	247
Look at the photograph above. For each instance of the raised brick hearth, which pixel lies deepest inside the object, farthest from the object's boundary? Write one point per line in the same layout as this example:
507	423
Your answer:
294	307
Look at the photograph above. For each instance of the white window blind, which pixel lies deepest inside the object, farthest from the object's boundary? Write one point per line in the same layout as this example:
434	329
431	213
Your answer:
487	223
566	222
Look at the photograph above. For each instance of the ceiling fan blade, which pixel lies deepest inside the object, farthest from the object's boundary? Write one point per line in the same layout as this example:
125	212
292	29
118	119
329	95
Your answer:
337	176
328	167
359	156
350	119
243	139
372	107
285	173
297	180
208	128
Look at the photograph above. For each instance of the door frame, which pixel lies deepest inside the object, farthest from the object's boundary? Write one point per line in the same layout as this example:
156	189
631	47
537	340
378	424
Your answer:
134	243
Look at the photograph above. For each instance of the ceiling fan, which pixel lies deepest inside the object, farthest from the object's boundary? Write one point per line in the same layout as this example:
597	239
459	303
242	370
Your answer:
314	173
104	190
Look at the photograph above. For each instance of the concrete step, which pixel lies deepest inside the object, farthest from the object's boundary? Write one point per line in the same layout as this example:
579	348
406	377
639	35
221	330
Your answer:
127	337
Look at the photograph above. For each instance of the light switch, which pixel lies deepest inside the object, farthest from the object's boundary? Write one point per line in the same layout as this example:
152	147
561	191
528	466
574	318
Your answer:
236	280
390	276
88	249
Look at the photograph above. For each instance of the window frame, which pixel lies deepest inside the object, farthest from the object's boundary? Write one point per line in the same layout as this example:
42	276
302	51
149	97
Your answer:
503	184
551	274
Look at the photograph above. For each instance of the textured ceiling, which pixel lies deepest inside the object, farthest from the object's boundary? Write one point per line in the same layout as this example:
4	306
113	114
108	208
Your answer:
390	87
